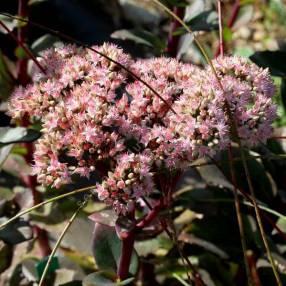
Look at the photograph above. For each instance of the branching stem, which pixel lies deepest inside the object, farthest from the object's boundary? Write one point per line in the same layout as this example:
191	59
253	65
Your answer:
23	46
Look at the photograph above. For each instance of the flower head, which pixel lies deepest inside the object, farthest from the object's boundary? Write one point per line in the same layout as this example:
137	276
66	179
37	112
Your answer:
96	119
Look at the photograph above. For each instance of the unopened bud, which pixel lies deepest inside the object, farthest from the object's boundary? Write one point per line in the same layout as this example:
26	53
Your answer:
130	175
128	182
91	150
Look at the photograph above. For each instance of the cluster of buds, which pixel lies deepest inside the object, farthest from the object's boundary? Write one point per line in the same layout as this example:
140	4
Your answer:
98	120
248	90
131	180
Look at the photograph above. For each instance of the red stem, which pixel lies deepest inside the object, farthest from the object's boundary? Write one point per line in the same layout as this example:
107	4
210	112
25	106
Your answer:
221	41
231	21
253	269
69	38
234	13
151	216
22	45
278	137
126	255
22	64
23	78
173	41
128	239
127	247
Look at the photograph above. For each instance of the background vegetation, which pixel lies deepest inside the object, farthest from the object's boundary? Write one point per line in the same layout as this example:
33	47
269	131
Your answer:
205	220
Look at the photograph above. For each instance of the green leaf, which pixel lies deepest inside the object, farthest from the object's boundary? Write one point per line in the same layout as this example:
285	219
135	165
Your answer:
264	185
107	249
9	22
152	246
17	135
4	153
7	198
6	253
245	15
101	278
29	270
25	270
281	223
213	176
106	217
205	21
73	283
40	266
283	92
16	165
227	34
208	246
180	279
6	194
66	276
6	80
140	36
219	272
274	60
104	278
17	232
125	282
265	271
177	3
20	53
54	213
43	43
35	2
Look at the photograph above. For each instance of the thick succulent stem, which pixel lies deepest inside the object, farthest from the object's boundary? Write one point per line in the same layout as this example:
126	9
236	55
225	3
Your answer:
126	255
128	240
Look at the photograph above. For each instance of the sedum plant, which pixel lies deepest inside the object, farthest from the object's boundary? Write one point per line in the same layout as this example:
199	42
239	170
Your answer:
100	123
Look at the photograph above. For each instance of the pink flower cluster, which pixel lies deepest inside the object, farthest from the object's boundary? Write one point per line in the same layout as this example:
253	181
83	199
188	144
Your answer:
97	119
131	179
249	91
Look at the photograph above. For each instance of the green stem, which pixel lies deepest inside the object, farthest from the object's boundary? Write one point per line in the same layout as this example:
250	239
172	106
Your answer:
239	217
173	235
46	202
232	121
188	29
258	217
232	171
71	220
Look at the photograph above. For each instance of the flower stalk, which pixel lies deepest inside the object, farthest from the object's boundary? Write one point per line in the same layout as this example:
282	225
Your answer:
126	255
